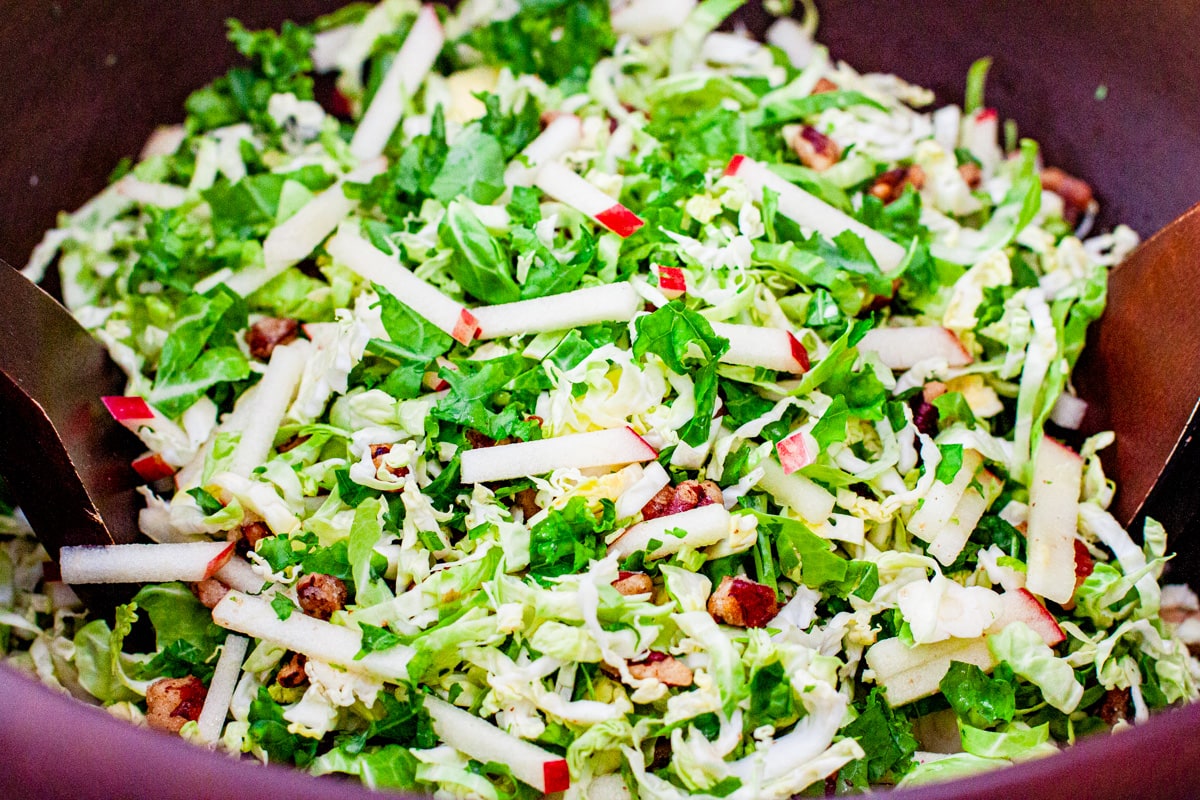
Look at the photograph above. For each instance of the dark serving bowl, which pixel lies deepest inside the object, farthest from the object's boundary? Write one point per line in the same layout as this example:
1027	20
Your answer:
84	83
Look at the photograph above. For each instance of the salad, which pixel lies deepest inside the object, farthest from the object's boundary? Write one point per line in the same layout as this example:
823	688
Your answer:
583	399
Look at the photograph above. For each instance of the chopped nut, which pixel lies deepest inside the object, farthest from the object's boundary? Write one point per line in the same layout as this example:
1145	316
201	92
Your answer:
815	150
292	674
1115	707
320	595
971	173
209	591
172	702
378	452
687	495
631	583
1075	193
249	534
743	603
667	669
824	85
657	507
889	186
526	500
292	444
267	334
693	494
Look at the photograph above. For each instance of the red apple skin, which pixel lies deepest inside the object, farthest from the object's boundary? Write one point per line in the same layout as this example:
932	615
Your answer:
219	561
620	220
735	164
793	453
671	281
1084	563
466	329
556	776
127	409
985	114
152	468
1035	615
799	353
649	449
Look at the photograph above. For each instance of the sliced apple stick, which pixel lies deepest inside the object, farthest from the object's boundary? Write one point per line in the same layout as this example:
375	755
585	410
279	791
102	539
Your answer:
949	540
299	235
811	212
238	574
702	526
672	282
813	502
351	249
402	80
654	479
314	638
569	188
609	448
1021	606
903	348
135	413
484	742
938	507
1069	411
1053	520
269	403
771	348
220	689
796	451
648	18
910	673
561	136
614	302
143	563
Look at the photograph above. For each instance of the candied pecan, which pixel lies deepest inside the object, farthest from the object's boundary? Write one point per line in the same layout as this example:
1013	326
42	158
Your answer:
209	591
1076	194
291	674
378	451
971	173
320	595
526	500
631	583
292	443
693	494
477	439
815	150
667	669
657	507
1115	707
171	702
743	603
889	186
268	333
824	85
249	534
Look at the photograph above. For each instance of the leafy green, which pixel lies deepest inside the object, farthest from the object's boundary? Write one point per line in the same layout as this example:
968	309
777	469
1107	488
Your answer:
804	557
474	168
569	538
557	40
787	109
413	344
482	266
885	736
951	463
469	401
200	351
686	343
976	82
977	699
269	732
